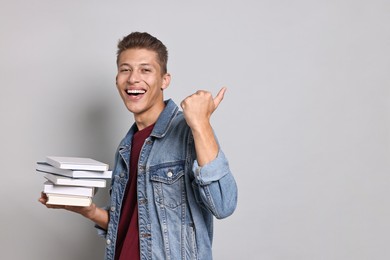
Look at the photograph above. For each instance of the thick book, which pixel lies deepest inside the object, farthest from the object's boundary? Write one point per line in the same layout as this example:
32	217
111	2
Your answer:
69	200
49	187
67	181
76	163
45	167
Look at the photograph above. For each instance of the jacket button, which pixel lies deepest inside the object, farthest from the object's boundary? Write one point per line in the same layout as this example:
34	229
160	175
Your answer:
112	208
122	175
169	174
108	241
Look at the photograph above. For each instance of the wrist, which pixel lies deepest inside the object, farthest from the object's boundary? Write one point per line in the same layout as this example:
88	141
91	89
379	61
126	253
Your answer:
201	127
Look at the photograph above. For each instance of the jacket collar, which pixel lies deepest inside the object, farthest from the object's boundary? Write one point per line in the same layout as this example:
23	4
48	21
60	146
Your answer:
160	128
165	119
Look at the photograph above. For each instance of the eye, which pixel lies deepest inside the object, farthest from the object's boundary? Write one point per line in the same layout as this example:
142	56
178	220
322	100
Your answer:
146	70
124	70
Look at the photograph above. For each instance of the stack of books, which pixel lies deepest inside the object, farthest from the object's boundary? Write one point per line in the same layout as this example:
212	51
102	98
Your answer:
72	181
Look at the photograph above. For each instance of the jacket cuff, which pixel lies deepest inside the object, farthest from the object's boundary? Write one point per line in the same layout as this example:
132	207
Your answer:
100	231
212	171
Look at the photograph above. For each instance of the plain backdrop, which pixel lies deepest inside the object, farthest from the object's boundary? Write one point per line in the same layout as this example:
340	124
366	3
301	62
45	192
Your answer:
305	121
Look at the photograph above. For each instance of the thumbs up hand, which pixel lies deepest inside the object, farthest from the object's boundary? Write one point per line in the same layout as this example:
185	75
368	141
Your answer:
198	107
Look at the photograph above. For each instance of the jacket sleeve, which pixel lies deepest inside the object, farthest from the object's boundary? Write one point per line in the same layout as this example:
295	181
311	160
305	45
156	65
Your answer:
216	186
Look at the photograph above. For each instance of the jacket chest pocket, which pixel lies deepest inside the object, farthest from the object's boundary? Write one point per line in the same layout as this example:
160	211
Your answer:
168	184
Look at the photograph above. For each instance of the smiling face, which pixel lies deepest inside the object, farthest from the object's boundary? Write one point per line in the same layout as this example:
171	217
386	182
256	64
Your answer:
140	83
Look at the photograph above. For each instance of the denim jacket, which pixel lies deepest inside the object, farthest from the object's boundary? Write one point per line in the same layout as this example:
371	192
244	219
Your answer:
177	199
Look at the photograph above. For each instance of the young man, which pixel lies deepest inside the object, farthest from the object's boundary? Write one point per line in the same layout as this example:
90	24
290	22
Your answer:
170	176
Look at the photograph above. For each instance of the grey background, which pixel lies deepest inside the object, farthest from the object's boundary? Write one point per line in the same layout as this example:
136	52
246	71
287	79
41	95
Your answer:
305	122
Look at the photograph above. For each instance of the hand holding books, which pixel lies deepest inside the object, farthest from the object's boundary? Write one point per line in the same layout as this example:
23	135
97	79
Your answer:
86	211
71	181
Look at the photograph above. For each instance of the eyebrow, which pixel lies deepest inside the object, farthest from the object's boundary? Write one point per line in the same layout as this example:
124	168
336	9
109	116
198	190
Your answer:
142	64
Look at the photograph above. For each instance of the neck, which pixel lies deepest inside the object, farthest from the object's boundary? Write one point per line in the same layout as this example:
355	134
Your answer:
148	118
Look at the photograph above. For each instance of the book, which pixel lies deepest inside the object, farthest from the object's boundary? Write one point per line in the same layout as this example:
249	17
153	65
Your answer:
76	163
45	167
69	200
49	187
67	181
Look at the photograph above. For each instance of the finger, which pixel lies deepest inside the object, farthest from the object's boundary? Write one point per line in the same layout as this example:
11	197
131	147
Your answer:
218	98
184	102
43	198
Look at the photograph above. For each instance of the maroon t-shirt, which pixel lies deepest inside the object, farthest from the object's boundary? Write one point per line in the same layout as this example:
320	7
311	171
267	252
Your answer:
127	243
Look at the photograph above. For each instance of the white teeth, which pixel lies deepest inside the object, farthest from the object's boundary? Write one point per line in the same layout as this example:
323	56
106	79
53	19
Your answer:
135	91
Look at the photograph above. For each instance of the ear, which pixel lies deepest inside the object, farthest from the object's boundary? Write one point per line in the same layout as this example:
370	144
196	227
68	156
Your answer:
166	81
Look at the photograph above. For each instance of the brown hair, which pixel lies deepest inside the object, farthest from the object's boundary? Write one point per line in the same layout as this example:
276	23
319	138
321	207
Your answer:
143	40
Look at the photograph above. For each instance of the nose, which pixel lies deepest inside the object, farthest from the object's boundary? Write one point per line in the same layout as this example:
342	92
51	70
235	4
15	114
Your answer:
134	77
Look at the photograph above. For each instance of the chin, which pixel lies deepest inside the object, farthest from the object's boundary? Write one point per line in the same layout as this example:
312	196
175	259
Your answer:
134	109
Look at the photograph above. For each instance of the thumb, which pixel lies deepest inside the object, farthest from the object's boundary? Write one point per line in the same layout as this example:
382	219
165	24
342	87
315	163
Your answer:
218	98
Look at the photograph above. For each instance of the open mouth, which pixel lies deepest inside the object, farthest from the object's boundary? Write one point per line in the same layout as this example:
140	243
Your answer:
135	92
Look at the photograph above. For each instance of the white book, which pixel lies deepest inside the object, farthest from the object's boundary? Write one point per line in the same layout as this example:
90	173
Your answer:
45	167
62	180
49	187
76	163
69	200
